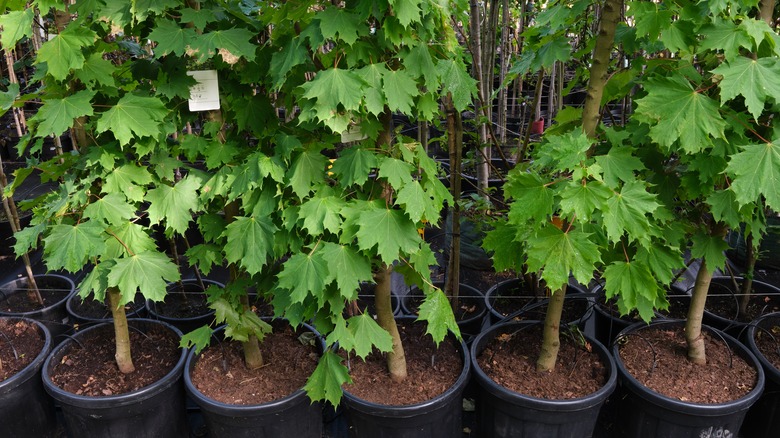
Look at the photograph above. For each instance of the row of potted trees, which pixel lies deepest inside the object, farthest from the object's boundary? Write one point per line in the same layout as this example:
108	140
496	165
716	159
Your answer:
298	185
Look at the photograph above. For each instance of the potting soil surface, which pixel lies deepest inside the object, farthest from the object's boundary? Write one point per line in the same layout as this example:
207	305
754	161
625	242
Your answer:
20	343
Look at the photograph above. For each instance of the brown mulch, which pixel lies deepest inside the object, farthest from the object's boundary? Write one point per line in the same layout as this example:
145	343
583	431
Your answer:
722	303
92	370
221	374
430	371
509	359
20	344
725	377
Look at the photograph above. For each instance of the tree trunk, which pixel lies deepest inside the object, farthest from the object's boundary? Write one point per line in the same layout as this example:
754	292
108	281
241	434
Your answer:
610	15
766	11
747	278
551	338
396	359
693	336
455	145
124	360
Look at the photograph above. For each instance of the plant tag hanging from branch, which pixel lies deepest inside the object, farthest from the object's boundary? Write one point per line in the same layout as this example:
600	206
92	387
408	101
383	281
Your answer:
204	96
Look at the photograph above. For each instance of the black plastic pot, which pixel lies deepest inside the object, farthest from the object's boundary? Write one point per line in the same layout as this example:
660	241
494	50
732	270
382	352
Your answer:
54	316
292	416
607	323
470	182
532	310
439	417
645	413
154	411
503	413
185	324
470	326
25	409
76	309
763	418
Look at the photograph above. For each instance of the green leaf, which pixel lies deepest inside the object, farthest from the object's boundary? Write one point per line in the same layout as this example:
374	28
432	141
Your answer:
681	113
390	231
71	246
629	211
619	165
398	173
303	274
400	90
63	52
407	11
353	166
228	43
111	209
725	36
756	172
372	75
724	207
556	50
437	311
128	235
759	30
205	256
326	380
755	80
199	338
368	334
635	287
8	98
96	282
345	266
97	70
147	272
560	254
334	87
133	116
417	203
250	242
650	19
321	213
126	180
419	63
171	38
174	204
710	248
533	199
456	80
306	170
16	25
507	251
566	151
56	115
291	55
583	200
339	22
663	261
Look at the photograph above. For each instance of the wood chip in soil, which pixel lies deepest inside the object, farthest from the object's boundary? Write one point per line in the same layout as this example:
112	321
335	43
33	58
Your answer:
430	371
726	376
20	343
509	359
92	370
289	360
767	339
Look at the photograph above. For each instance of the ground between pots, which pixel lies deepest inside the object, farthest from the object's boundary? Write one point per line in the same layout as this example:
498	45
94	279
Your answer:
431	371
92	371
20	344
509	359
290	358
726	376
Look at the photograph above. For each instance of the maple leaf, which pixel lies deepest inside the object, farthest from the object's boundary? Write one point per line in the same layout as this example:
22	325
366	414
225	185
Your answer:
619	165
304	274
506	251
400	90
234	41
354	165
126	180
407	11
565	151
96	281
681	113
204	256
710	248
634	285
397	172
334	87
148	272
174	204
133	116
97	70
291	55
390	231
533	198
754	79
419	63
321	212
455	79
306	170
7	98
583	200
756	171
126	239
558	254
199	338
628	211
651	20
16	25
339	22
436	310
111	209
171	38
416	201
63	52
70	246
345	266
56	116
368	334
326	380
662	261
726	36
374	97
250	241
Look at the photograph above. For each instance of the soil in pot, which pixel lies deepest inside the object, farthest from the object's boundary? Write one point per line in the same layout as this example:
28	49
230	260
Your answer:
21	342
431	370
187	301
92	370
290	356
51	289
470	303
513	353
93	310
657	358
723	300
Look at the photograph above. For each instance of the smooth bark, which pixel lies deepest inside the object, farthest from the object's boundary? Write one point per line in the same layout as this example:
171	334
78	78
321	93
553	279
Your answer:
124	359
551	337
396	359
693	337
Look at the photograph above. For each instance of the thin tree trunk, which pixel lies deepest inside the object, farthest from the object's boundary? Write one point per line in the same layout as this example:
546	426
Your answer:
124	359
747	278
455	145
766	12
610	15
693	336
551	337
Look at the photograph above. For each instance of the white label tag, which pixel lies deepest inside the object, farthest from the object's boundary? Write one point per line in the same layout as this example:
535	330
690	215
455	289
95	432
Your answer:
204	95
